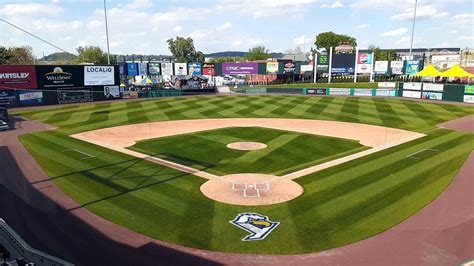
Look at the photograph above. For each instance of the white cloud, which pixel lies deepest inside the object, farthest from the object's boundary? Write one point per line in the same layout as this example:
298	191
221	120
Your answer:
405	42
336	4
301	40
422	12
225	26
177	28
265	8
396	32
373	4
137	4
464	19
30	9
466	38
362	26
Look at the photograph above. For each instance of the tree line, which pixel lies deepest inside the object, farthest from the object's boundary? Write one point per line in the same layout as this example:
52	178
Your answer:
182	50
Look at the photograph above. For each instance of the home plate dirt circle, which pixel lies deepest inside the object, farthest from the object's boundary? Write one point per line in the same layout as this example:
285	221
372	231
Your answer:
251	189
246	145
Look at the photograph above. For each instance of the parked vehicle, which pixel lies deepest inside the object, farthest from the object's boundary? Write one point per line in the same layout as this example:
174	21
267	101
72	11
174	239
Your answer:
3	125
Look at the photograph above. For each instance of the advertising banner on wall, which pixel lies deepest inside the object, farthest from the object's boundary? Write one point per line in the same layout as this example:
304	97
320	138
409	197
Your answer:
166	69
432	87
111	92
17	77
412	94
99	75
363	92
432	95
412	86
289	67
194	69
28	98
180	69
381	67
142	69
240	68
396	67
272	67
469	98
390	85
469	89
208	69
306	68
316	91
132	69
364	63
59	76
75	96
412	67
8	98
154	69
338	91
343	64
322	65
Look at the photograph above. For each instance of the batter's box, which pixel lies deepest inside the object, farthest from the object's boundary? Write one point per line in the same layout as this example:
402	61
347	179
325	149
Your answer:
264	186
239	186
251	192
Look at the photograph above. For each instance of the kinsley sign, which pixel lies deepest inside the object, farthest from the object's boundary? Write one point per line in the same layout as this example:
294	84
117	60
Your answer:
99	75
239	68
17	77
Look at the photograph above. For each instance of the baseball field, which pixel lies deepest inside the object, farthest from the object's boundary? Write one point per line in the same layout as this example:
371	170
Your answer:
342	204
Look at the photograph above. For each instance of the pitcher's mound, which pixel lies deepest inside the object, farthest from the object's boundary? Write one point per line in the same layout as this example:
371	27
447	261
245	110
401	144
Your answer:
246	146
251	189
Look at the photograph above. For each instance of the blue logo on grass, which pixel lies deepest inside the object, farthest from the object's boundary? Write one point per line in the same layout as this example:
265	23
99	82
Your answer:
259	226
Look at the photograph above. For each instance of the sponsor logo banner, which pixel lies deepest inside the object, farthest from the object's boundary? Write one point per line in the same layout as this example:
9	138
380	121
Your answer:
240	68
342	70
142	69
132	69
432	95
180	69
30	97
194	69
99	75
412	94
60	76
396	67
154	69
272	67
387	84
18	77
386	92
130	95
306	68
381	67
339	91
289	67
469	98
75	96
469	89
412	67
208	69
259	226
412	86
432	87
166	69
364	63
316	91
322	65
111	92
362	92
8	98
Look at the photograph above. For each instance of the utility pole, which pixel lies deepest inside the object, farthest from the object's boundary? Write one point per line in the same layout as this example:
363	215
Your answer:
107	32
413	29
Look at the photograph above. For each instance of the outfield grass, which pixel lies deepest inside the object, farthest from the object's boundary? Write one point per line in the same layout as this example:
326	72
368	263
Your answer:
368	85
286	151
340	205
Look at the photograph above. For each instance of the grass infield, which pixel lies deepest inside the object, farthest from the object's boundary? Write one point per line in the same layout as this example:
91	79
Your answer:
286	151
340	205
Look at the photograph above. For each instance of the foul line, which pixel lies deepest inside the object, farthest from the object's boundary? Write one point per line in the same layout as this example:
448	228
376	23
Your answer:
411	155
88	156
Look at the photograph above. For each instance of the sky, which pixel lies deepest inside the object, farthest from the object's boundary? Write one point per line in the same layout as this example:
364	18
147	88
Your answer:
143	26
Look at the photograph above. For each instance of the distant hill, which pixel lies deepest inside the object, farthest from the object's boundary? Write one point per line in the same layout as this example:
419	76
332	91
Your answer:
62	56
236	53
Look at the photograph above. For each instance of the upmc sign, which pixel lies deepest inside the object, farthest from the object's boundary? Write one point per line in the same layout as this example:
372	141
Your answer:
239	68
99	75
17	77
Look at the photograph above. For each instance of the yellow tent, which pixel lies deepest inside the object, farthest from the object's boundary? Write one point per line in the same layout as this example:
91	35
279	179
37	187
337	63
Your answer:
456	71
428	71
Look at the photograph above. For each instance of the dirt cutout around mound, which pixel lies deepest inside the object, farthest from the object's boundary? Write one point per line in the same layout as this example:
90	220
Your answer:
249	189
464	124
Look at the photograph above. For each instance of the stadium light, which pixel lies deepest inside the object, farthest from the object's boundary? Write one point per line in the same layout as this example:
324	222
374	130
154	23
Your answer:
413	28
107	32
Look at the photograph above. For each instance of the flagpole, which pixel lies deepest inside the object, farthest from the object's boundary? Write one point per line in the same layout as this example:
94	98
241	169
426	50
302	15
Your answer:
413	29
107	32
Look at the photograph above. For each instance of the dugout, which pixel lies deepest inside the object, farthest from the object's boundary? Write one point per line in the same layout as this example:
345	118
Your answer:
3	113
